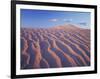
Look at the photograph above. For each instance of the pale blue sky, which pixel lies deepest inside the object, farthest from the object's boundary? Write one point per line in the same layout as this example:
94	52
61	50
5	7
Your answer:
47	18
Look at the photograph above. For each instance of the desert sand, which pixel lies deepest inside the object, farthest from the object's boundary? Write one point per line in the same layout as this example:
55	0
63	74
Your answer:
56	47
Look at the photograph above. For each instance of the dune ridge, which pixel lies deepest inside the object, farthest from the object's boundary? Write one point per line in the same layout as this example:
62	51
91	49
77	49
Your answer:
59	46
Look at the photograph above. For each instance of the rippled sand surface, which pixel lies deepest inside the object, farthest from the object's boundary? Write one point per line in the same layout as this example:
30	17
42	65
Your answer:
60	46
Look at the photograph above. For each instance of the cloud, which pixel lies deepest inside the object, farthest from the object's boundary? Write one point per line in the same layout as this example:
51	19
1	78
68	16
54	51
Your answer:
67	20
53	20
83	23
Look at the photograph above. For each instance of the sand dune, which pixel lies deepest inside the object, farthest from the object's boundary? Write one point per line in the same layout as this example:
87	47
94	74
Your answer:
60	46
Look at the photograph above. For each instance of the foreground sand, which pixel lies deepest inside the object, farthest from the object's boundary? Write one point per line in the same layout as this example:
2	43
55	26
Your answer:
60	46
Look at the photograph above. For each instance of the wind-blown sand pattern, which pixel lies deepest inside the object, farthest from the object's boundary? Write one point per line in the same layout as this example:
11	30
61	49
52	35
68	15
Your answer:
60	46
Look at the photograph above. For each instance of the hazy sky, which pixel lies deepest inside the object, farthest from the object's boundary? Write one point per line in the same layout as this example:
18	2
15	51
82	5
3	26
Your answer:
47	18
